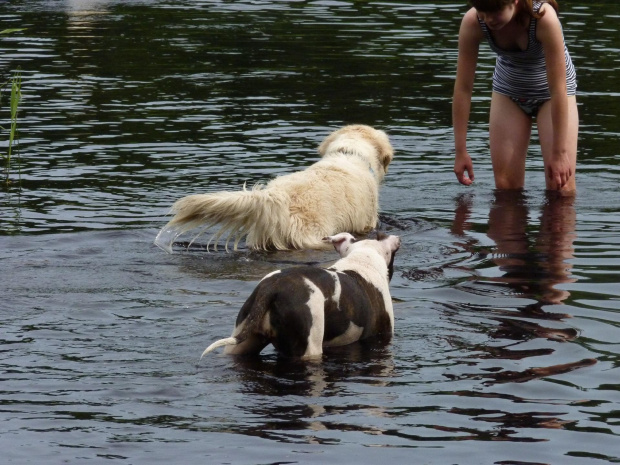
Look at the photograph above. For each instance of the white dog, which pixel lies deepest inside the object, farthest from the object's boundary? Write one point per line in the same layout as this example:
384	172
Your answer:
340	192
302	309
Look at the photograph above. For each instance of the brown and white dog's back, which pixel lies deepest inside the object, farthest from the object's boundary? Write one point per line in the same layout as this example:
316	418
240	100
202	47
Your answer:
340	192
302	309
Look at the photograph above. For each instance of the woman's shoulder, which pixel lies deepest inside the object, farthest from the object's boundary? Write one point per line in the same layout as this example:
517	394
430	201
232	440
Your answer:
471	16
549	23
471	26
548	15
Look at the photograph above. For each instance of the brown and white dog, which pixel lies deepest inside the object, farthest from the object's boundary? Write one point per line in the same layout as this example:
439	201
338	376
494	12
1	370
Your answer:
301	310
338	193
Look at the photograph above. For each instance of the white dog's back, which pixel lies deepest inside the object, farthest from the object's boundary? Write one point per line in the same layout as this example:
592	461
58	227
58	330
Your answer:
338	193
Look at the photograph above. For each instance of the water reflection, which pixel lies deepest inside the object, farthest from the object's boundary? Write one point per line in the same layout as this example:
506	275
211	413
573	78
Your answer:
84	6
529	263
129	102
294	399
533	267
83	17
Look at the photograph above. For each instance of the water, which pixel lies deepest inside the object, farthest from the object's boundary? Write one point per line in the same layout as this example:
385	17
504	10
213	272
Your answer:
506	347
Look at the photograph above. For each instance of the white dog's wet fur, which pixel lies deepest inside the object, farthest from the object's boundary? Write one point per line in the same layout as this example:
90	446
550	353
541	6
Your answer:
340	192
301	310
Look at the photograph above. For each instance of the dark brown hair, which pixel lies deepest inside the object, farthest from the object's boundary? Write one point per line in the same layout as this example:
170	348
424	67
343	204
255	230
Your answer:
489	6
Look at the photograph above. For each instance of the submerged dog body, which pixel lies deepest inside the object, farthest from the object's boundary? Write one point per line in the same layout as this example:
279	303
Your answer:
340	192
302	309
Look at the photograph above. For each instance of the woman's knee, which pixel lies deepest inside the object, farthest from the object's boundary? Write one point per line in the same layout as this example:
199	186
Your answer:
503	182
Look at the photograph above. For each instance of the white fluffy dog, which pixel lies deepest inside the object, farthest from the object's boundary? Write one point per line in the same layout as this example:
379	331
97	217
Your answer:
338	193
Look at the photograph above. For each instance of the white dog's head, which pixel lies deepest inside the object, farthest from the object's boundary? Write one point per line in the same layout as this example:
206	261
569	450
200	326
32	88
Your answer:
364	141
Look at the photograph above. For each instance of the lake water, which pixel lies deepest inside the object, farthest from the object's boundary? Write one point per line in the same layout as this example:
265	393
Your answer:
507	305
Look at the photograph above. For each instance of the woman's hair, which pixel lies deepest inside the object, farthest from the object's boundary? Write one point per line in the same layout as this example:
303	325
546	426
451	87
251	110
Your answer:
490	6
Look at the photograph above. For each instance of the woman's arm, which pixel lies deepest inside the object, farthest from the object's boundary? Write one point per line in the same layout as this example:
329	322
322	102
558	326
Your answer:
549	33
470	36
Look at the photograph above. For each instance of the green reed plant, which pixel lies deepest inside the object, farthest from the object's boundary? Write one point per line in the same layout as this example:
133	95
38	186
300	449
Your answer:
16	95
15	83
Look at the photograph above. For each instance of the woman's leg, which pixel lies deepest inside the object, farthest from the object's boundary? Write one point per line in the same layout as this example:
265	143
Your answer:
509	135
545	134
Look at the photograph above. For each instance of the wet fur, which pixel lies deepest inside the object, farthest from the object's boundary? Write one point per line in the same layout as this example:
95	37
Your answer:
338	193
302	309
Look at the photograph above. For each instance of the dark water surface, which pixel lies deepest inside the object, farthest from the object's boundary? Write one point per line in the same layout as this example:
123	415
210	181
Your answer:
507	305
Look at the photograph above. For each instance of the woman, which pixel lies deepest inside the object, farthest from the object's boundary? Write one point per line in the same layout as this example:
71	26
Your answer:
534	78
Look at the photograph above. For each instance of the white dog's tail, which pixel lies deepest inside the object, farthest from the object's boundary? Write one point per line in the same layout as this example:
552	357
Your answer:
259	214
228	341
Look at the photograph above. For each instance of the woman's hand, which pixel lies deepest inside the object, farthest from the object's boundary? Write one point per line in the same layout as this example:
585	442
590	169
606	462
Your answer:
464	168
559	171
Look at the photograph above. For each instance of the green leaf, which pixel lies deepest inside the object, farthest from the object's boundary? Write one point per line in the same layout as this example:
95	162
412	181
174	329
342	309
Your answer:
10	31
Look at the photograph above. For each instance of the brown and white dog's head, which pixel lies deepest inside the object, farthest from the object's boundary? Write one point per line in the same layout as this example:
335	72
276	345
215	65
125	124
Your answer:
385	245
364	141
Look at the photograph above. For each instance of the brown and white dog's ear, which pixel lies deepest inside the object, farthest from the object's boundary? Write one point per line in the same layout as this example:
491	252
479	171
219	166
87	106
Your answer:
392	241
389	245
341	242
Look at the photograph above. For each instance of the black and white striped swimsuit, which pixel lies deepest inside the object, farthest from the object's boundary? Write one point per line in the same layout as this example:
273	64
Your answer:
522	75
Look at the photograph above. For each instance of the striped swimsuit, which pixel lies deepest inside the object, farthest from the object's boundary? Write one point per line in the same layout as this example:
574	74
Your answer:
522	75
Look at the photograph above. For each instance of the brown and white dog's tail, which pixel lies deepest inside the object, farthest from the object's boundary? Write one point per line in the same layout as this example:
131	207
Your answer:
228	341
251	334
260	214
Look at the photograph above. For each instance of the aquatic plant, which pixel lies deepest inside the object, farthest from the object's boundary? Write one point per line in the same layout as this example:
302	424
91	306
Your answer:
15	83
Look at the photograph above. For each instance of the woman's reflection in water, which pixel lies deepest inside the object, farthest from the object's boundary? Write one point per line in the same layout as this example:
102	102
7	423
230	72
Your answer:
534	267
533	262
